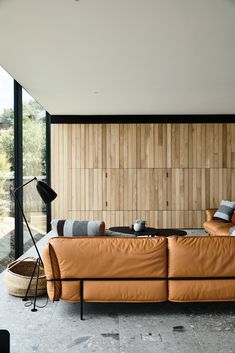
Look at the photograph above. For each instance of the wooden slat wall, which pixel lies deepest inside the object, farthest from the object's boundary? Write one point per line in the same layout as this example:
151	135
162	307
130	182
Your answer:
166	173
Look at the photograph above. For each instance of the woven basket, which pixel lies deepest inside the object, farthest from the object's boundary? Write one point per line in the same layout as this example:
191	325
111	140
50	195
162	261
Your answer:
18	275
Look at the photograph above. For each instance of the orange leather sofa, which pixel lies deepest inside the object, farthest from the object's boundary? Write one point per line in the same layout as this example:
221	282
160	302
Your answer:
214	226
109	269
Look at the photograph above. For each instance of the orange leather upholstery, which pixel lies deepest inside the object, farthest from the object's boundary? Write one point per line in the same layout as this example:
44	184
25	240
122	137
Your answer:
108	257
214	226
210	213
202	291
52	271
201	257
125	291
183	263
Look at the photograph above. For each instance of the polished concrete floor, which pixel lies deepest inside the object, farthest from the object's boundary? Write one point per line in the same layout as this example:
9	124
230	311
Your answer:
122	328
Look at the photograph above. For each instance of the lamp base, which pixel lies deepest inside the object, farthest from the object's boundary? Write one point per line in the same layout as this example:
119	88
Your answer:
38	263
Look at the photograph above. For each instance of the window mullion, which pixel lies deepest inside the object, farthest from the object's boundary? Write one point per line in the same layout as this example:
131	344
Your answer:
18	161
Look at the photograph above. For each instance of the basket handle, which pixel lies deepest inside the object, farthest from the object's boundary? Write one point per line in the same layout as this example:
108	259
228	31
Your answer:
19	261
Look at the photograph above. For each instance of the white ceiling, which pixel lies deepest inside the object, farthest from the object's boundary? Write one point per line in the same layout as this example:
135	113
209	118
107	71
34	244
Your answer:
122	56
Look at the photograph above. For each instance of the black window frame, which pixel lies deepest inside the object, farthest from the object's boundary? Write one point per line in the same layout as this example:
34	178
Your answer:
18	166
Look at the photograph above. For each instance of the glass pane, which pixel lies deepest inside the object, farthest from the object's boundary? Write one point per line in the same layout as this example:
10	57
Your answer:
34	164
7	222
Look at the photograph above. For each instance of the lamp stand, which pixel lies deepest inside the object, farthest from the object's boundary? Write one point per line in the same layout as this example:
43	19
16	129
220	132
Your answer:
47	195
38	262
37	266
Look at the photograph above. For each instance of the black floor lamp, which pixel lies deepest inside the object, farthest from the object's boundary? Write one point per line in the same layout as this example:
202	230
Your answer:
47	195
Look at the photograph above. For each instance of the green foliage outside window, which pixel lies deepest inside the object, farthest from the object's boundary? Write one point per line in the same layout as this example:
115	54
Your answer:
34	146
34	140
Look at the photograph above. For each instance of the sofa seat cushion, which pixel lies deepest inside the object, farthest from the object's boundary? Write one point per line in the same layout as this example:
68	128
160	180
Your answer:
202	291
216	227
125	291
191	258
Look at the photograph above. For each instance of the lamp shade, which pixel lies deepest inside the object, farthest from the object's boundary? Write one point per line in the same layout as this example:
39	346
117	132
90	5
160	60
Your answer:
46	193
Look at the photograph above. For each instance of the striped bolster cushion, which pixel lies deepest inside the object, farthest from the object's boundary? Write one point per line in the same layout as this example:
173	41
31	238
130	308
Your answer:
68	227
225	210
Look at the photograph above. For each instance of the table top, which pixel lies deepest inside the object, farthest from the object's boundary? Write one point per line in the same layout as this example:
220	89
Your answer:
149	231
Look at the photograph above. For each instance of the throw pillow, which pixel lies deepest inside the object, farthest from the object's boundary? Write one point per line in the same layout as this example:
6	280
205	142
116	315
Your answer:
233	218
225	210
70	227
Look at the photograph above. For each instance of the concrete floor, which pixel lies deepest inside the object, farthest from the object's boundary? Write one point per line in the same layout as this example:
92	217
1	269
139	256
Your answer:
122	328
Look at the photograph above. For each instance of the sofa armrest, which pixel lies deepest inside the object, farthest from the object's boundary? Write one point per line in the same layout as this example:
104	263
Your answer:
51	268
210	213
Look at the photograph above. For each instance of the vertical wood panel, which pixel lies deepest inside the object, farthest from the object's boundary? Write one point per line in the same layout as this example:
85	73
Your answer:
168	149
190	146
166	173
232	127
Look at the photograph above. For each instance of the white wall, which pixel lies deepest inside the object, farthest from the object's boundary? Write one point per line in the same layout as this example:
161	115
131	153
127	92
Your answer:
122	57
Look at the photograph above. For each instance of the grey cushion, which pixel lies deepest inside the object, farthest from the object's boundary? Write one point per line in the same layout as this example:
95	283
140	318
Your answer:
225	210
69	227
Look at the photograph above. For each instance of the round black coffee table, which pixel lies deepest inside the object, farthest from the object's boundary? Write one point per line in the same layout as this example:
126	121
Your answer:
149	231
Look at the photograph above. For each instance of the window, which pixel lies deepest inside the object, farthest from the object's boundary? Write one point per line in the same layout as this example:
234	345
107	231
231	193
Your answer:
19	165
7	221
34	164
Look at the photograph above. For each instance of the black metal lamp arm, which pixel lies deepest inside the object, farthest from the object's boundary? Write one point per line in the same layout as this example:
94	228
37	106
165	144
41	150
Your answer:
20	187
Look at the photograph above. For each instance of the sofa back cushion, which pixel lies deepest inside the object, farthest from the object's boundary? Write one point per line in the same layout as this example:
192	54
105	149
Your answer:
201	256
110	257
